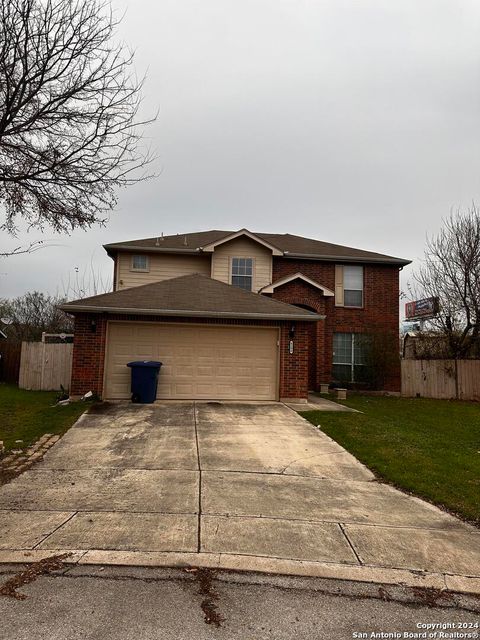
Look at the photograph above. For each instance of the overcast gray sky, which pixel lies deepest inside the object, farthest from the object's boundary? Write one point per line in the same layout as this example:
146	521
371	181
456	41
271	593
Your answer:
352	121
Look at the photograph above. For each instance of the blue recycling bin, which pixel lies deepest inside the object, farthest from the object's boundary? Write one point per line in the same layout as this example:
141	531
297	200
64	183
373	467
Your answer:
144	380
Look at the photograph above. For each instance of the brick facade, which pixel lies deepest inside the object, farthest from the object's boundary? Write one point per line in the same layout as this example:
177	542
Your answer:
90	342
311	362
379	316
88	354
294	367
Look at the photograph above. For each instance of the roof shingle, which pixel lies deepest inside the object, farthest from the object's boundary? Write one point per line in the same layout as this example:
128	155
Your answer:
192	295
291	245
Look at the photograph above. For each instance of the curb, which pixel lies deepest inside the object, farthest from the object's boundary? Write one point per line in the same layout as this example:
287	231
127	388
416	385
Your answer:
401	585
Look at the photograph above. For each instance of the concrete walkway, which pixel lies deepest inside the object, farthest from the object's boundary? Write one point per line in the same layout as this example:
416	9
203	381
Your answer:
237	486
319	403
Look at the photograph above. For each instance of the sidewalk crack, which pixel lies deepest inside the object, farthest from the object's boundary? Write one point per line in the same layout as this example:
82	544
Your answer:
56	529
316	455
199	524
349	542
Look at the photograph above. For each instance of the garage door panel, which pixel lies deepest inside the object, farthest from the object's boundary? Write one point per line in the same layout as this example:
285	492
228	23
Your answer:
204	372
198	361
185	390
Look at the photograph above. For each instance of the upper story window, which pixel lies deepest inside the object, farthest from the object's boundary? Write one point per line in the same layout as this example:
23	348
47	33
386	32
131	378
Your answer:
242	273
139	263
352	286
348	286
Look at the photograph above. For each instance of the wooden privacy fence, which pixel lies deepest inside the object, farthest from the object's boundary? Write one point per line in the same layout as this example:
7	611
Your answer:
10	361
448	379
45	367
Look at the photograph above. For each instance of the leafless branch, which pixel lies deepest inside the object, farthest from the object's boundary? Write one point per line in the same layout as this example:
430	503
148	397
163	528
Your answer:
30	248
85	282
451	272
70	134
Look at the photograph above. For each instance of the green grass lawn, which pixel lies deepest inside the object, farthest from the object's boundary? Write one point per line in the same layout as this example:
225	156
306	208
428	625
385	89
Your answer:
26	415
427	447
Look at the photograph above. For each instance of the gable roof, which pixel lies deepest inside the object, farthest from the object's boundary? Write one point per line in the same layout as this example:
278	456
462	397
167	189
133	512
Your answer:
288	245
243	232
270	288
193	295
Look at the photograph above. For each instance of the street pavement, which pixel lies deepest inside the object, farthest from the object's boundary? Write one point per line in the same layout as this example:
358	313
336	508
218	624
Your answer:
115	607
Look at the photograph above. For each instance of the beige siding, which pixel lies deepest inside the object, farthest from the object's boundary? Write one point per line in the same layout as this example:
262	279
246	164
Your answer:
243	248
199	361
161	267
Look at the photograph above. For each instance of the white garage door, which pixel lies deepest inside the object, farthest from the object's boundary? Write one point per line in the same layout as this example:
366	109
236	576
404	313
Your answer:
204	362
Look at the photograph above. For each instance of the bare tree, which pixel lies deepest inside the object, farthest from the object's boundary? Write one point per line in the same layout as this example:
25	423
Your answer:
82	283
69	133
32	314
451	273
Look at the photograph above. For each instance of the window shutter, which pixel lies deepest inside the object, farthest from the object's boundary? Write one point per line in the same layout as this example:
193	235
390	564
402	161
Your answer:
339	285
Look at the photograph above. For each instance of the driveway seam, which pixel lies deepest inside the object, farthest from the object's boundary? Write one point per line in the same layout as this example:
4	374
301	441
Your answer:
266	473
283	475
218	514
322	479
116	467
199	522
92	510
56	529
350	544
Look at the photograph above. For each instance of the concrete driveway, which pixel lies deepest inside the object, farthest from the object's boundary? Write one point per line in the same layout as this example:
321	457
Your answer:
201	482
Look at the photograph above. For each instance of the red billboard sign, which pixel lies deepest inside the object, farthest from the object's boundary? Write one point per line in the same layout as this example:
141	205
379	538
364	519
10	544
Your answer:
426	308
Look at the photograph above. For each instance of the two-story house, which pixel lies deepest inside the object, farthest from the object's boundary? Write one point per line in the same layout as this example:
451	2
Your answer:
237	315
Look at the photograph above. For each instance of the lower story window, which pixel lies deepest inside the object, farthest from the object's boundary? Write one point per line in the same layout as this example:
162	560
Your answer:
349	356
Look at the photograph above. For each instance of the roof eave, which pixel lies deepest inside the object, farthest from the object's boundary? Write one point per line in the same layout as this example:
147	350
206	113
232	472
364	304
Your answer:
312	317
122	247
359	259
111	248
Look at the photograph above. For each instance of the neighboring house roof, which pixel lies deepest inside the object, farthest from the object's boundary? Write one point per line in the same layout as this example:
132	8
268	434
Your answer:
193	295
288	245
270	288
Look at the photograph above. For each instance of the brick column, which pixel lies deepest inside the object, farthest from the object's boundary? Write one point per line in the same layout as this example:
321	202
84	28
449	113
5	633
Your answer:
88	354
294	366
